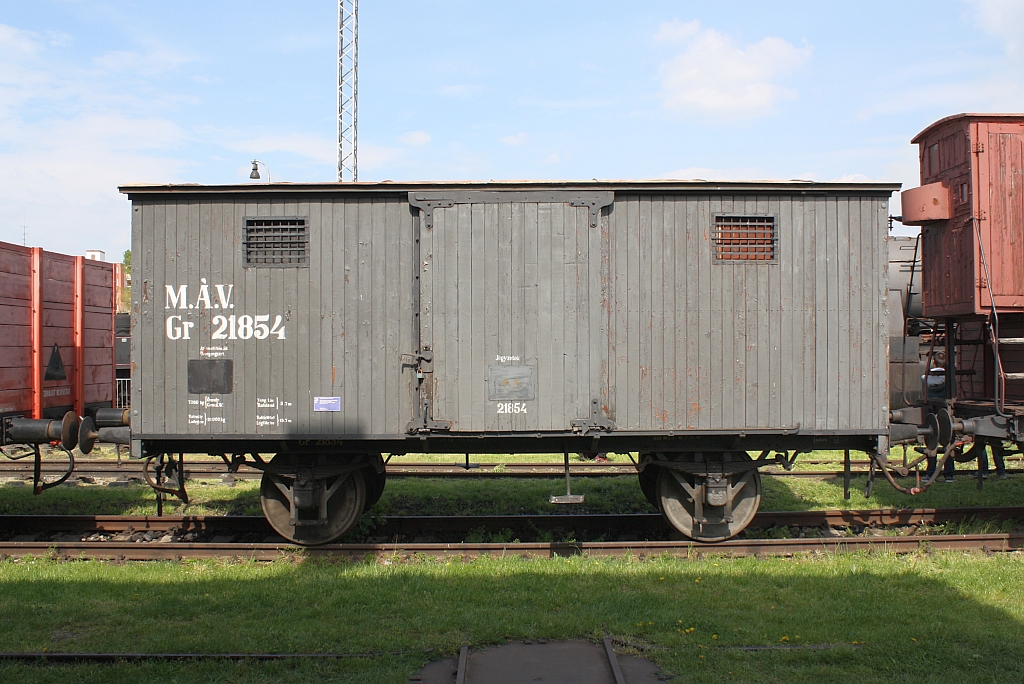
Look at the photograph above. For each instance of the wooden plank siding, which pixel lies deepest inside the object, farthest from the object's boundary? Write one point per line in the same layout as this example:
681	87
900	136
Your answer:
347	317
56	282
634	312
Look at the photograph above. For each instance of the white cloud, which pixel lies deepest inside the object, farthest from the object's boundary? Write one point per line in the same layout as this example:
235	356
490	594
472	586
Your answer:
60	177
903	166
583	102
1003	19
459	90
704	173
552	158
988	87
513	140
415	138
372	157
717	79
146	64
21	76
69	137
319	149
675	31
973	82
17	42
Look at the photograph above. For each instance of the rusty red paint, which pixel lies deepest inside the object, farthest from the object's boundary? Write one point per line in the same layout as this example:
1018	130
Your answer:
37	332
975	257
50	299
925	204
78	323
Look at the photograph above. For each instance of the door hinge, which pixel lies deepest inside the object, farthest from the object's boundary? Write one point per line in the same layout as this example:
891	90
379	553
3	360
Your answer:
978	147
595	204
427	206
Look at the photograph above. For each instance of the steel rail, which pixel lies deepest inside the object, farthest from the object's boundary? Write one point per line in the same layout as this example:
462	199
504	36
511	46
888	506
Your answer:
735	547
205	470
58	657
18	525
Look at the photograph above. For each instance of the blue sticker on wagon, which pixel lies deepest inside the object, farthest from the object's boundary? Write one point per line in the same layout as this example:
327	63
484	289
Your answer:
326	403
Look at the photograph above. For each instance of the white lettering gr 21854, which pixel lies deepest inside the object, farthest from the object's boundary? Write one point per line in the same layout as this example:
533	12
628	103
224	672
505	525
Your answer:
229	327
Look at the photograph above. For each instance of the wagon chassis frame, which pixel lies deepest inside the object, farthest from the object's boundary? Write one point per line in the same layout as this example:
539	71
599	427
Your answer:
531	442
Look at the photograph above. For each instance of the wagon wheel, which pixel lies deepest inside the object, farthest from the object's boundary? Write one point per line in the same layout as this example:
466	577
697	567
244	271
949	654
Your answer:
346	500
649	483
374	483
677	490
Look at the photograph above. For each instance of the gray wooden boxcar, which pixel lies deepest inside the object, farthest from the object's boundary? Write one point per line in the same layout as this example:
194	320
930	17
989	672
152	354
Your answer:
691	322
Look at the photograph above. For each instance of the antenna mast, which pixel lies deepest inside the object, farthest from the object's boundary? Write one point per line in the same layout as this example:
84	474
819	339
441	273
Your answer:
348	89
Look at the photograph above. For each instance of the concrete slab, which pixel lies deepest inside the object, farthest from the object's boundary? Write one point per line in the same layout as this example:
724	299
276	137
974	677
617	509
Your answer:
437	672
639	671
556	662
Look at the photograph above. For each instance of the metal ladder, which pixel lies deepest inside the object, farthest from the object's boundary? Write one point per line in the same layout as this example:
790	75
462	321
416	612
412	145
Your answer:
1001	374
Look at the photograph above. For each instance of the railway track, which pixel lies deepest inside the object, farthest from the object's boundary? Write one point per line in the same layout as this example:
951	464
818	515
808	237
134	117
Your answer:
199	470
736	547
174	537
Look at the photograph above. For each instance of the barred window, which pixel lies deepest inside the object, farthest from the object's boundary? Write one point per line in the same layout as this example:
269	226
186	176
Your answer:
276	242
744	238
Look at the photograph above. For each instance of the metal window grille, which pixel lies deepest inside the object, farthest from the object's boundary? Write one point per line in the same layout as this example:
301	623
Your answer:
124	393
276	242
744	238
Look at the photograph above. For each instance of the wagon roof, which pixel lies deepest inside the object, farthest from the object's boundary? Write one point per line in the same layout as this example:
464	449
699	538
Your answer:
646	186
989	118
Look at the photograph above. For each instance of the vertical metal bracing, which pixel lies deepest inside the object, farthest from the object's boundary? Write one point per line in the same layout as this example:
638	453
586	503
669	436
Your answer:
348	89
36	335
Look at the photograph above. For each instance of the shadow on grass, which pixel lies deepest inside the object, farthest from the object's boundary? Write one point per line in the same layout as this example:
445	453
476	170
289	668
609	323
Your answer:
402	496
510	496
883	618
130	500
781	493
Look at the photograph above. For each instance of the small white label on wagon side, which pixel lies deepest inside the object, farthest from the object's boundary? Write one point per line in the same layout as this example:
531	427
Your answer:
326	403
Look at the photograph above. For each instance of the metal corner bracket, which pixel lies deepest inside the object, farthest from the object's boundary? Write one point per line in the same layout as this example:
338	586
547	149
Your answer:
597	422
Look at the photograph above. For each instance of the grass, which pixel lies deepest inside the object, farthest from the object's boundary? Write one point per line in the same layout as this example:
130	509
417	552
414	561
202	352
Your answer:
483	496
936	618
833	457
130	500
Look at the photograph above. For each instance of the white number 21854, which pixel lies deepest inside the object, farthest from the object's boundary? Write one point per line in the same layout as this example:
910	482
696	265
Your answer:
511	407
246	326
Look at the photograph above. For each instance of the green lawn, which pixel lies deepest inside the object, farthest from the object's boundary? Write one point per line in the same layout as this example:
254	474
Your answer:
481	496
936	618
922	618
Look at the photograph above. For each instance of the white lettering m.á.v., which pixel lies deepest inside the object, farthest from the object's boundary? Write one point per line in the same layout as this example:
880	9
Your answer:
177	299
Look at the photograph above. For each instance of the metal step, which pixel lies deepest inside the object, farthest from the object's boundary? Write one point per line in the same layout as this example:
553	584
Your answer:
1014	376
1011	341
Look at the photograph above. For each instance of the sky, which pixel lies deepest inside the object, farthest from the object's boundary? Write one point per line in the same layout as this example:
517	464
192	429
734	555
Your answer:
96	94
